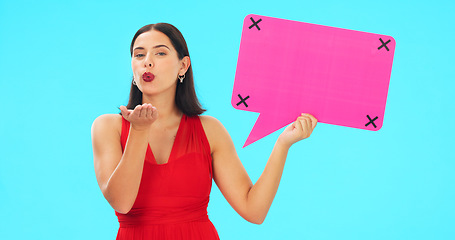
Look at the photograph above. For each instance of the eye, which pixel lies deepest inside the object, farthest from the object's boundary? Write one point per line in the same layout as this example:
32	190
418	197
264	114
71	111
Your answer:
161	53
139	55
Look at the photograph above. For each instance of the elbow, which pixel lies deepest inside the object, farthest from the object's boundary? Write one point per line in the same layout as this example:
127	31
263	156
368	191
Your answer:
121	208
117	204
122	211
255	214
258	220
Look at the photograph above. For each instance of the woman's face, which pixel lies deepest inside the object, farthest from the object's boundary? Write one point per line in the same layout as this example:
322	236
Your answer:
153	53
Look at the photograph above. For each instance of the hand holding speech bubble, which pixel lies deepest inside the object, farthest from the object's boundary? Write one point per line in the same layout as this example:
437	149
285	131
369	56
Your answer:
286	68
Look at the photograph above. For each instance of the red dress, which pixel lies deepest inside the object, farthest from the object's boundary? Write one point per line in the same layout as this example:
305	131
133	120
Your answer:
173	197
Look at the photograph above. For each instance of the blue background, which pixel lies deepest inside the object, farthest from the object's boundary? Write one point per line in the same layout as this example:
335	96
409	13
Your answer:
62	64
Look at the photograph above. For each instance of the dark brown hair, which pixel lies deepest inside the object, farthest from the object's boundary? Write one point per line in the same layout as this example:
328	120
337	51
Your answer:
185	95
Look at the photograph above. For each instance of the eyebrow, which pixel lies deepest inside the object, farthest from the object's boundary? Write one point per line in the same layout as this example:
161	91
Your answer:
157	46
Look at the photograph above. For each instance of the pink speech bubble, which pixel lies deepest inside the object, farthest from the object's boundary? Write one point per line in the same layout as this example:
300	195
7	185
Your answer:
286	68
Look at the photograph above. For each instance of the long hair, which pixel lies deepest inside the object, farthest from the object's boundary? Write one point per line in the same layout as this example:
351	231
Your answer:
185	95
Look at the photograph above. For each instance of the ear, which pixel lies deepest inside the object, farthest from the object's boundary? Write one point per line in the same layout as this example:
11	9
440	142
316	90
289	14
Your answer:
185	64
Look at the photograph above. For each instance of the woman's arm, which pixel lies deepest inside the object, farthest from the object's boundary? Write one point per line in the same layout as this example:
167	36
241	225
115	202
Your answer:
252	202
118	174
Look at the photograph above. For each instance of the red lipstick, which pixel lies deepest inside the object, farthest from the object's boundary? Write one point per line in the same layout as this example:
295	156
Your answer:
148	76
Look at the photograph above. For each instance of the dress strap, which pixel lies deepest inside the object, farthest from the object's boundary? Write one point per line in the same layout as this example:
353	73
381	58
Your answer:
205	142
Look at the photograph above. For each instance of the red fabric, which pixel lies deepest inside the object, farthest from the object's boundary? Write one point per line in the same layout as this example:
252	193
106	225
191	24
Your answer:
173	197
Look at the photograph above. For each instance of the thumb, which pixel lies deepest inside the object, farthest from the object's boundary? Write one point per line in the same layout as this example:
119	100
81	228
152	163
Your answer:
124	111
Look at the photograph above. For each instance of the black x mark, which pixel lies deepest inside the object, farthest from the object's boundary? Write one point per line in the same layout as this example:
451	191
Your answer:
255	23
371	121
384	44
242	100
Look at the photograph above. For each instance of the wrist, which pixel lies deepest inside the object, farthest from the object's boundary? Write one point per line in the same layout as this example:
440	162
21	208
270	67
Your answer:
281	144
139	129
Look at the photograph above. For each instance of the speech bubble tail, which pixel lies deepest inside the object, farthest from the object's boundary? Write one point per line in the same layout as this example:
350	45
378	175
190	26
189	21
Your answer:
266	124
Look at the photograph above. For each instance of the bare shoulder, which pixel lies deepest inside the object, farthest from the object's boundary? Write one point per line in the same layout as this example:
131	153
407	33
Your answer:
215	131
107	122
210	123
212	126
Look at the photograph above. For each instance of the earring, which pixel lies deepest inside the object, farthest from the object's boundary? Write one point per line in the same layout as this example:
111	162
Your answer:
181	78
134	82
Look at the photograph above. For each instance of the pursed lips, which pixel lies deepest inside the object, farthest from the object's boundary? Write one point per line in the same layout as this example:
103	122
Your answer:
148	76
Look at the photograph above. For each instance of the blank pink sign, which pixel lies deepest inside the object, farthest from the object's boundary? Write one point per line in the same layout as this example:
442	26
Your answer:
286	68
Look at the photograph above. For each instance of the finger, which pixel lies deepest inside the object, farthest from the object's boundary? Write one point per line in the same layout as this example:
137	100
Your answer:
146	110
309	124
149	111
298	124
154	113
314	121
124	111
306	124
137	111
143	112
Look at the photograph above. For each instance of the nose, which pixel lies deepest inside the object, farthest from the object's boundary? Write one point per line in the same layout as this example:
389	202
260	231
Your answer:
148	62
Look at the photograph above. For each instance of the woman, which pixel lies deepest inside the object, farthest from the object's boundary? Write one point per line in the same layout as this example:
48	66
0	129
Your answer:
158	179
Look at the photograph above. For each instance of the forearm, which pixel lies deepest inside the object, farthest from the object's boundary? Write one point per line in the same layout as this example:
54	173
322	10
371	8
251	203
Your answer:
123	185
261	195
